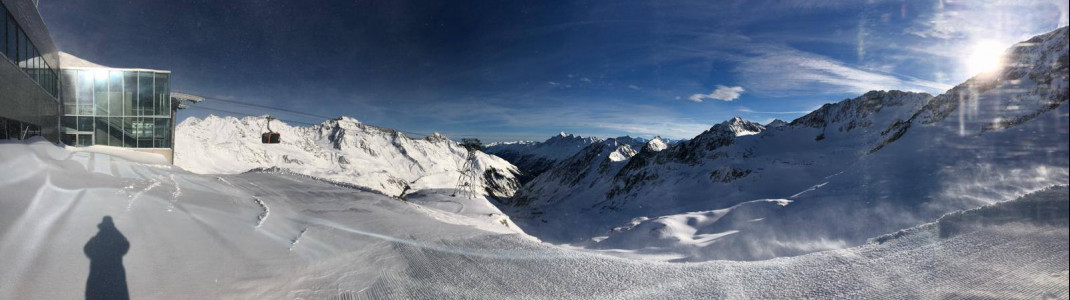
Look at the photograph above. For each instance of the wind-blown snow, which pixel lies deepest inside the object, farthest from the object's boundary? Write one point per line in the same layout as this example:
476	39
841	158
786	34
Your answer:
327	241
880	162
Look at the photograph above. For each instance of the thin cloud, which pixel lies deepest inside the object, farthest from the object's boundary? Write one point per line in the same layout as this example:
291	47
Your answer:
748	110
953	29
1005	20
723	93
542	114
783	70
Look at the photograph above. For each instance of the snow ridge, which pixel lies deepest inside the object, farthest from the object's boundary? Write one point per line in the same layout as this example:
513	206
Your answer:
880	162
533	158
340	150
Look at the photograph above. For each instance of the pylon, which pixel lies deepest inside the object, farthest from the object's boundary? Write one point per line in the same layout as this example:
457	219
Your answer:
467	179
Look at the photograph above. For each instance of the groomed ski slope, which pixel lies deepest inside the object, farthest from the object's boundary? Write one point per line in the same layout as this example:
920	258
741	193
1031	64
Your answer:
274	236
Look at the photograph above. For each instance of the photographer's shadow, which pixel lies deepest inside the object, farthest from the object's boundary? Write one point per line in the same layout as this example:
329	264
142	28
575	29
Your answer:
107	276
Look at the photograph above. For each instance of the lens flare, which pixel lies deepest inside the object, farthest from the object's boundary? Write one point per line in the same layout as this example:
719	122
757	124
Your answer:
986	56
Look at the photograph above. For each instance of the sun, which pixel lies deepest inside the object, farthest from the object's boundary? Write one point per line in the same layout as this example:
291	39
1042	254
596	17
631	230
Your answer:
986	56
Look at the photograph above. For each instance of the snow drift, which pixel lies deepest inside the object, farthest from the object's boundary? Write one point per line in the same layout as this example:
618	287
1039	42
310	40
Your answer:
880	162
271	236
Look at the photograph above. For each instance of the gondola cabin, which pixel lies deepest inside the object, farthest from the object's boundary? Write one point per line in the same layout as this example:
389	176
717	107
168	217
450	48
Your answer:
270	138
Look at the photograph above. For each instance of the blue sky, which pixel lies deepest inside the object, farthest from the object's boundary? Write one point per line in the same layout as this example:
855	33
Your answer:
525	70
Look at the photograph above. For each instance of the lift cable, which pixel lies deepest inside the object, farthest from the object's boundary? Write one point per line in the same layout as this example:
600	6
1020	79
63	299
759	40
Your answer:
300	122
214	99
246	114
306	114
286	110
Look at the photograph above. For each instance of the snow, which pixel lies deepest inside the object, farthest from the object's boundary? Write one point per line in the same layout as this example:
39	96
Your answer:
533	158
347	152
324	240
656	144
881	162
124	153
70	61
670	237
888	195
558	147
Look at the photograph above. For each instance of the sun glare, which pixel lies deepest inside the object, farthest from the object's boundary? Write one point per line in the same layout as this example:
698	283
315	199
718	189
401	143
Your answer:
985	57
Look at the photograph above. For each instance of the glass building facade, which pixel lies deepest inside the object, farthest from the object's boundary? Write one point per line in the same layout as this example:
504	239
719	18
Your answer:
29	69
116	107
16	46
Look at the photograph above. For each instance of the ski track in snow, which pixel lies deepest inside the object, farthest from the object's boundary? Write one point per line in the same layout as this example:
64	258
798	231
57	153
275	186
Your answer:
264	214
376	247
154	183
811	189
297	239
221	179
1015	249
174	195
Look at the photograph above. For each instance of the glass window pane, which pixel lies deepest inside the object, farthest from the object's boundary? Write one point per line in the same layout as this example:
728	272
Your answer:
11	41
100	134
24	50
35	61
163	95
115	128
55	83
163	133
100	92
144	94
12	128
115	93
85	140
129	140
69	123
21	55
85	124
145	137
70	98
3	28
129	93
84	90
69	139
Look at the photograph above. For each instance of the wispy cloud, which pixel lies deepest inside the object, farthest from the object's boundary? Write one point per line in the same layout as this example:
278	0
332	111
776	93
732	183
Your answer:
1009	20
538	118
953	29
748	110
723	93
781	70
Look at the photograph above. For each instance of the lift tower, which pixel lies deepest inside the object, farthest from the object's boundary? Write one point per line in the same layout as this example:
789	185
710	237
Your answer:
467	179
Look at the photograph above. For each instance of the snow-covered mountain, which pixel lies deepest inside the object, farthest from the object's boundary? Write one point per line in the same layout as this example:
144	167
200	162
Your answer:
342	150
345	151
847	171
66	216
533	158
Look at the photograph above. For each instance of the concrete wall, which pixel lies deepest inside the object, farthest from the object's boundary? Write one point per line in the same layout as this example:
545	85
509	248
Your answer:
20	98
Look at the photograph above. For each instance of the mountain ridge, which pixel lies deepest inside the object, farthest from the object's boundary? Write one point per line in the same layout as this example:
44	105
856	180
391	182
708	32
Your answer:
890	148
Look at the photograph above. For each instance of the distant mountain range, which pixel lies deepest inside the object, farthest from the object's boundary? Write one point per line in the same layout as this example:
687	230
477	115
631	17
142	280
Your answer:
832	178
533	158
